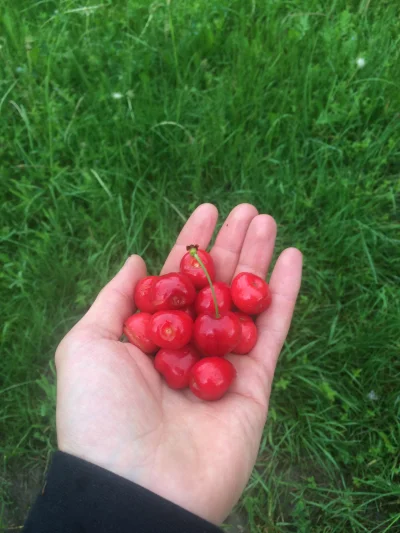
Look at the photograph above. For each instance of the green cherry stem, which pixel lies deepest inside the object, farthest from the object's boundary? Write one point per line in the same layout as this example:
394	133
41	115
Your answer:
193	252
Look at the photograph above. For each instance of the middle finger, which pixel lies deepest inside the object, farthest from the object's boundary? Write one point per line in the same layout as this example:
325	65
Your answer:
229	241
258	246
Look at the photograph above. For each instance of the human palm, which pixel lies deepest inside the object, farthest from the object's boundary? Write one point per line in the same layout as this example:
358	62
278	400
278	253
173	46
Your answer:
114	410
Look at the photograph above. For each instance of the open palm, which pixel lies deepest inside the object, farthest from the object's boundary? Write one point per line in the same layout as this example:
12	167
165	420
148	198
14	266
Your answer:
114	410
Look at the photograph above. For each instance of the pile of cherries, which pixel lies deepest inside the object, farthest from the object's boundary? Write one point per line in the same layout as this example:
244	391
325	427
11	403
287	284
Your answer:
188	321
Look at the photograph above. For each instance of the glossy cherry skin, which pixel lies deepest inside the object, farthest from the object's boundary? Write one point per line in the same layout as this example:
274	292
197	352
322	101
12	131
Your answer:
136	329
175	365
216	337
170	329
142	294
248	334
250	293
172	291
204	301
191	267
211	377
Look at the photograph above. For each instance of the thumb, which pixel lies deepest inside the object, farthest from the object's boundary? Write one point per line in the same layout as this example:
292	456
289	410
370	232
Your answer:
115	301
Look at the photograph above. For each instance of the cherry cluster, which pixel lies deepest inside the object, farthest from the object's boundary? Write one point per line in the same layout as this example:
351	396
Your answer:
191	322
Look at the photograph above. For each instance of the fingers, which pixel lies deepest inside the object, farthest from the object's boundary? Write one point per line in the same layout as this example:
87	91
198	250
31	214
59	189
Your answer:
198	230
273	325
229	241
115	302
258	246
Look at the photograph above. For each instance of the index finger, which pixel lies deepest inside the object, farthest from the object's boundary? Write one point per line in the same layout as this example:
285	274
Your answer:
198	230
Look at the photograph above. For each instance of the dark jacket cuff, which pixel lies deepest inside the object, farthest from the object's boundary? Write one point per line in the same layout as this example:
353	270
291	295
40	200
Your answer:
80	497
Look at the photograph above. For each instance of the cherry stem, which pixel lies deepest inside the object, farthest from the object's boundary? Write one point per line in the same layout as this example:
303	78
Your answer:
193	253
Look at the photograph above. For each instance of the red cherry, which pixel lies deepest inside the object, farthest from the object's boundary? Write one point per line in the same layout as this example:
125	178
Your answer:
136	331
192	268
172	291
250	293
170	329
216	336
189	310
175	365
204	300
211	377
248	336
142	294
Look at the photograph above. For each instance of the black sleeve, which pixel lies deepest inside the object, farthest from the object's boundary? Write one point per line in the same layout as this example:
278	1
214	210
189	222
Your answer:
79	497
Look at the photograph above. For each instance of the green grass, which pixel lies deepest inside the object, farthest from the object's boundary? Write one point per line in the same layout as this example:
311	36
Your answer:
227	102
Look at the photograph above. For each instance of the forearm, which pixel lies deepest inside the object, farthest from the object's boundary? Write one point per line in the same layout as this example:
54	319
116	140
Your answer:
79	496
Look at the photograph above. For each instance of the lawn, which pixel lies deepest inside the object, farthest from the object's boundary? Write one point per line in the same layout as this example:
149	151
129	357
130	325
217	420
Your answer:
117	118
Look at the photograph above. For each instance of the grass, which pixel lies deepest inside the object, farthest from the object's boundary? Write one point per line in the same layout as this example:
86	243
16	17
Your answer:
222	101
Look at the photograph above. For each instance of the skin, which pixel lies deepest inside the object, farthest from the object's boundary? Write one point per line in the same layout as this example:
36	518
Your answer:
114	410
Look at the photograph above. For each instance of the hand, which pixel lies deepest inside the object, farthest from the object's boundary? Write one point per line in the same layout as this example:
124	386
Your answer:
114	410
